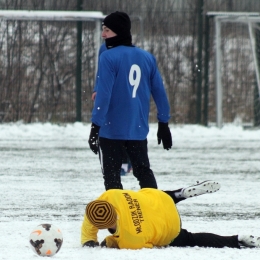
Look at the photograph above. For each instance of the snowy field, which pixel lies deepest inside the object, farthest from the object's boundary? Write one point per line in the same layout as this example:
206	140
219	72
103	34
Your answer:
48	174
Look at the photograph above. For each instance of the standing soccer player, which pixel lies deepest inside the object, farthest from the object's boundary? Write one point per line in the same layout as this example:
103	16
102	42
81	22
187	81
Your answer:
127	77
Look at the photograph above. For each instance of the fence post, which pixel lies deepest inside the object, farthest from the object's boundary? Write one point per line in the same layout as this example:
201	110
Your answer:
78	67
206	71
219	93
199	63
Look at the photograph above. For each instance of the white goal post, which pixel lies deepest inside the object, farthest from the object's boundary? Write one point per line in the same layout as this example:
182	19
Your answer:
25	15
251	19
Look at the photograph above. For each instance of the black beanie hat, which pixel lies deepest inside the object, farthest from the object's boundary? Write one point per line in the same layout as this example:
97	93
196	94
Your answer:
119	23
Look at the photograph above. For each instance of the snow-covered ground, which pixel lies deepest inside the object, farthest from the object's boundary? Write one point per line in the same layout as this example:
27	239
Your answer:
48	174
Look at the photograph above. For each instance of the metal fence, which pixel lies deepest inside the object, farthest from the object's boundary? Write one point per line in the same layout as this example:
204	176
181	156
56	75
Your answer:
38	65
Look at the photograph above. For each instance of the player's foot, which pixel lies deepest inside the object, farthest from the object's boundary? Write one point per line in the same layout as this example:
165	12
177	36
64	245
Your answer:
249	241
200	188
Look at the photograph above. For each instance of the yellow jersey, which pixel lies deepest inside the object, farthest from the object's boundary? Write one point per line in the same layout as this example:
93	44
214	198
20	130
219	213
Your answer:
145	218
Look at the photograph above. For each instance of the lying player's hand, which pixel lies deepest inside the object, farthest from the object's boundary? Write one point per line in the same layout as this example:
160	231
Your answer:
91	243
104	243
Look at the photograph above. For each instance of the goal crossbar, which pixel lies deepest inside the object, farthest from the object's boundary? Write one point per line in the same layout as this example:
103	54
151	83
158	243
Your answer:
51	15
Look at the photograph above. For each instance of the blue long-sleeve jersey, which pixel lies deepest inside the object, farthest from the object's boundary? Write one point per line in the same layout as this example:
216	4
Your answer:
127	77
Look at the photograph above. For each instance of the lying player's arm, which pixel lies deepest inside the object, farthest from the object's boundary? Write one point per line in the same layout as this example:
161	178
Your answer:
88	233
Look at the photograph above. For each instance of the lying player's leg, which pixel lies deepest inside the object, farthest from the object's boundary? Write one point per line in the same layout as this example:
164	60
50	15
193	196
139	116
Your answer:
197	189
186	238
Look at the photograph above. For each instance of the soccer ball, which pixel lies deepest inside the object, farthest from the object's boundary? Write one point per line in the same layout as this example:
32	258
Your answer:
46	240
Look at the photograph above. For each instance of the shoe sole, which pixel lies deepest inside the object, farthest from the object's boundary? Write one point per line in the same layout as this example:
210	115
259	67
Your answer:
250	241
201	188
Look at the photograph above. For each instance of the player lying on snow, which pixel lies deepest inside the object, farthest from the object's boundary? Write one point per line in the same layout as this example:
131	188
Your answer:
149	218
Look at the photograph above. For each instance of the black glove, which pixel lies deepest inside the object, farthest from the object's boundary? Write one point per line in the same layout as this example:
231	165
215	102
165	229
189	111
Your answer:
93	138
103	243
91	243
164	135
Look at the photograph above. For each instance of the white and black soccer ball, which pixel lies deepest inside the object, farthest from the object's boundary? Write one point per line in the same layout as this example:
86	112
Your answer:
46	240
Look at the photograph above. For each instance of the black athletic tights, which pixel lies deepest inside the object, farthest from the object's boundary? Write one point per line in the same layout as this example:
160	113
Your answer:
186	238
111	154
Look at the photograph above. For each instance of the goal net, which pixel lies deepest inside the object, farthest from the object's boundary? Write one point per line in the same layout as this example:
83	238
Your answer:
237	68
45	56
